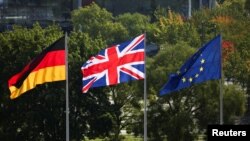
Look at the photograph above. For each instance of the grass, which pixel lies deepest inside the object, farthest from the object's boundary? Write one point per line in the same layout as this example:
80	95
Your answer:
127	138
133	138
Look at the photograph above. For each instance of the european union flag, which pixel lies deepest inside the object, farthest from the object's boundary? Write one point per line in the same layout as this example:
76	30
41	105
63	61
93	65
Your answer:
204	65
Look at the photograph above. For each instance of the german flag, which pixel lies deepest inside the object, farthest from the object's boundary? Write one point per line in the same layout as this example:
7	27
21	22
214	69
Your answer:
48	66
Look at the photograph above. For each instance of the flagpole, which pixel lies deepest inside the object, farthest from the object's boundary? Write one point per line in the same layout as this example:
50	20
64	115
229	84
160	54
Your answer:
67	87
221	86
189	9
145	91
221	102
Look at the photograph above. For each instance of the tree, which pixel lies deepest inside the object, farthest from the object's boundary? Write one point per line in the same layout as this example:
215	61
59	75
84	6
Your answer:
169	110
134	23
119	103
188	112
237	65
235	102
104	112
98	22
35	115
232	22
247	5
86	110
124	108
172	28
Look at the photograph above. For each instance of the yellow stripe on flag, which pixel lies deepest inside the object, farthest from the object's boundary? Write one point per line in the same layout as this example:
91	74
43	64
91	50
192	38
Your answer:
49	74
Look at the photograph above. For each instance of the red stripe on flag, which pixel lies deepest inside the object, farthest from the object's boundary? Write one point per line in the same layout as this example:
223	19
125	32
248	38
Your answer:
131	73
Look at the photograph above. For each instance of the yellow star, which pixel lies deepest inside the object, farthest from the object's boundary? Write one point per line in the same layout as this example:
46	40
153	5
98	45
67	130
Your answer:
201	69
197	75
202	61
183	79
190	79
178	72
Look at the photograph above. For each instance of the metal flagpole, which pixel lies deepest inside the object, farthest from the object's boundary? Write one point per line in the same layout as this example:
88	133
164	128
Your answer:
221	102
145	92
67	87
189	8
200	4
221	87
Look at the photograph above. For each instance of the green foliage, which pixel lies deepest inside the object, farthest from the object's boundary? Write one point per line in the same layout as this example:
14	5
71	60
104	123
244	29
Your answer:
85	19
98	31
173	29
234	103
135	23
89	112
238	64
34	115
172	116
98	22
124	138
187	112
247	5
231	21
169	59
83	46
21	45
104	112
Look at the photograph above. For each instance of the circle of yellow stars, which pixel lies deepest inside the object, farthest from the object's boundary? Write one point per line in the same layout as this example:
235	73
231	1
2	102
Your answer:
190	79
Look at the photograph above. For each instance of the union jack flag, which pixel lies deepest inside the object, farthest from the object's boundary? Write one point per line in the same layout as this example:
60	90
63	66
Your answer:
120	63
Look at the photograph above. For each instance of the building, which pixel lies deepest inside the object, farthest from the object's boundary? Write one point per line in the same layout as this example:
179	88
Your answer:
27	12
148	6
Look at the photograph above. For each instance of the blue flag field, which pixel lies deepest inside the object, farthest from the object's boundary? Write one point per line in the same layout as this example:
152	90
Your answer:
204	65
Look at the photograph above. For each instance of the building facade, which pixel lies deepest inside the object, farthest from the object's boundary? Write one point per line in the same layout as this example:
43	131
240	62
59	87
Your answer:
148	6
27	12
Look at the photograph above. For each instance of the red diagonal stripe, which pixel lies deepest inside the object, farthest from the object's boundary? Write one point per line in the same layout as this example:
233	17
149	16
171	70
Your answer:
131	73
